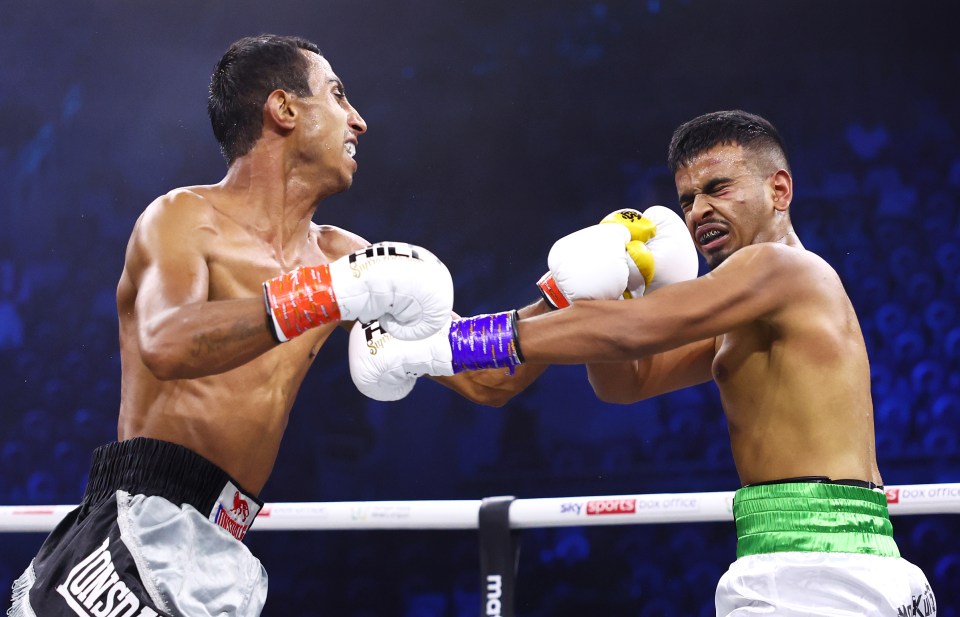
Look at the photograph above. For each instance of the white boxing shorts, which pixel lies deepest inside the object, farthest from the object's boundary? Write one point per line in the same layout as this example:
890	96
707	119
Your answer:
819	549
158	533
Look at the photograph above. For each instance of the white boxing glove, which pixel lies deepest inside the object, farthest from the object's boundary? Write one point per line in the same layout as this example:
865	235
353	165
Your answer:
386	369
403	286
596	263
674	254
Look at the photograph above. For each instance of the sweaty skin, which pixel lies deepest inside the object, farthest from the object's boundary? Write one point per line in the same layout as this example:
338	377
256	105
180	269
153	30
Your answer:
200	367
771	325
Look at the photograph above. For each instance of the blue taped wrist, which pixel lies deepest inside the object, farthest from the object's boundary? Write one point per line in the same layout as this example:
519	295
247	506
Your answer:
485	341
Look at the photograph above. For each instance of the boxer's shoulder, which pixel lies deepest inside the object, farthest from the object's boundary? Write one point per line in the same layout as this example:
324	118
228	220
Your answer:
335	242
183	206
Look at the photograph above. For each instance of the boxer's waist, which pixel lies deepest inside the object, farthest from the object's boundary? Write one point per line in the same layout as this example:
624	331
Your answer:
812	517
143	466
821	480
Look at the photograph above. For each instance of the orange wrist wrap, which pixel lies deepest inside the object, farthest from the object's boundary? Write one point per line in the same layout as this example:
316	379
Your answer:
301	299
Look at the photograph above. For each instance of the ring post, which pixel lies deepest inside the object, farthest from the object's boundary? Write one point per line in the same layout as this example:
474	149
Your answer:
499	557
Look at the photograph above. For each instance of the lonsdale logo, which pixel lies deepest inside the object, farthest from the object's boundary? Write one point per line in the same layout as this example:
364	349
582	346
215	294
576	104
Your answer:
94	589
234	511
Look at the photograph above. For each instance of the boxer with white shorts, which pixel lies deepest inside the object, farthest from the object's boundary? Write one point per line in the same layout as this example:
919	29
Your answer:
772	326
815	546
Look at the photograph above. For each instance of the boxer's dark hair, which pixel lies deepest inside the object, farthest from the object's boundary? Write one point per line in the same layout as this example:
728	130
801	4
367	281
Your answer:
724	128
244	77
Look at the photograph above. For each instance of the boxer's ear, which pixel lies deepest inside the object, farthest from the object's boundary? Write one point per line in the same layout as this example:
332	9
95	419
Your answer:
280	109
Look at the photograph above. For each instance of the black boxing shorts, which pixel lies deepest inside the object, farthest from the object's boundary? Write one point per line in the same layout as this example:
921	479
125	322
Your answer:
157	533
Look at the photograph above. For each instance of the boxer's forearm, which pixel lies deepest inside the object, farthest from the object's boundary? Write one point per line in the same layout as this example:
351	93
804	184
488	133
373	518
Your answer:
205	338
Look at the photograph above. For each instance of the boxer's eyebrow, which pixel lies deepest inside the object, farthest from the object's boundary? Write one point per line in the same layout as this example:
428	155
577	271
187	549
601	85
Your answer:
342	90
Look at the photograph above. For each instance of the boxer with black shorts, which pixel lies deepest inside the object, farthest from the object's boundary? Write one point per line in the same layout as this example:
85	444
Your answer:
228	291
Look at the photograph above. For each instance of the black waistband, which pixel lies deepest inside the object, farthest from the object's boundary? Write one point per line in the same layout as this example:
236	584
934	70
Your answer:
143	466
821	480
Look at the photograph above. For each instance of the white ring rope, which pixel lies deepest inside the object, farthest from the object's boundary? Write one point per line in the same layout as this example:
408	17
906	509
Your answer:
524	513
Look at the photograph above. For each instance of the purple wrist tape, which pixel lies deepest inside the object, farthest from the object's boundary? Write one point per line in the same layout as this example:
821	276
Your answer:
485	341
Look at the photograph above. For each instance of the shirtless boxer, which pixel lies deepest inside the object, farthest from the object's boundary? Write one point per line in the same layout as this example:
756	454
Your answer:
227	294
772	326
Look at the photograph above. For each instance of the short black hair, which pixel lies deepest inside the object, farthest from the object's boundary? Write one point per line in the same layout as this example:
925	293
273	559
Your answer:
722	128
248	72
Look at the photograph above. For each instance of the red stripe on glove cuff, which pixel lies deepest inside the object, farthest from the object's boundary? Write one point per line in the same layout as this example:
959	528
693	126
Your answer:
551	292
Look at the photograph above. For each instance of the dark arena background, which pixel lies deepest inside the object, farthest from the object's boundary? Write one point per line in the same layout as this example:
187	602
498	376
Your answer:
494	129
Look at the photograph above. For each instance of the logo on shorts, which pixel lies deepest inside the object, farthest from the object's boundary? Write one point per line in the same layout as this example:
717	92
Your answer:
923	605
241	507
94	589
234	511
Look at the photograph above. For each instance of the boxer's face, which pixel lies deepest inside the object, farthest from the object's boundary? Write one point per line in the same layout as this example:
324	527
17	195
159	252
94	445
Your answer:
725	201
329	127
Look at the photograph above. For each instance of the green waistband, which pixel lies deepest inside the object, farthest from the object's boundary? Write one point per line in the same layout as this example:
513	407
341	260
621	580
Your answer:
812	517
